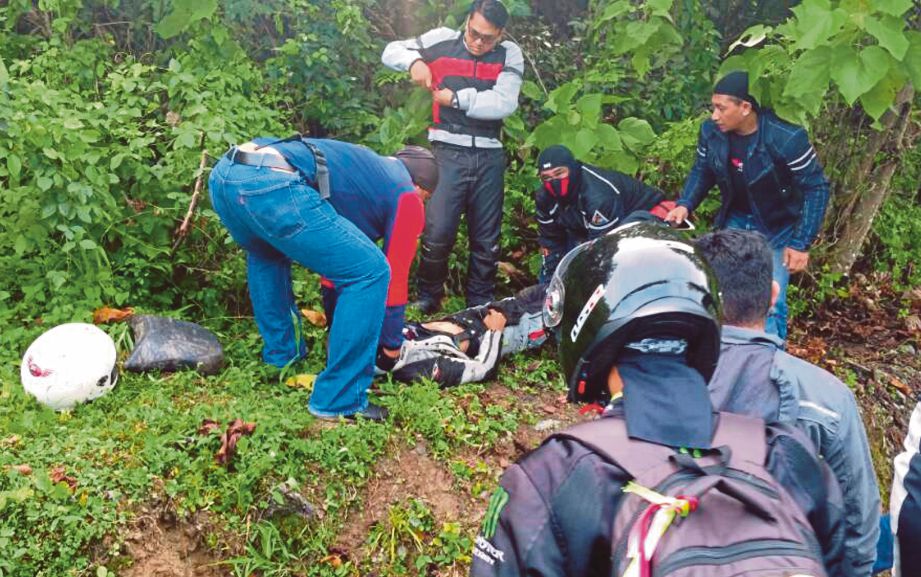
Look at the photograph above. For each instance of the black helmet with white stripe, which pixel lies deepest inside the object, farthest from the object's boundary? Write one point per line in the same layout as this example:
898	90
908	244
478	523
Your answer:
641	281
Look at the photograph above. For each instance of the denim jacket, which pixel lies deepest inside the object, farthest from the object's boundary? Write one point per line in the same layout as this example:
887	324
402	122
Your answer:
788	191
821	406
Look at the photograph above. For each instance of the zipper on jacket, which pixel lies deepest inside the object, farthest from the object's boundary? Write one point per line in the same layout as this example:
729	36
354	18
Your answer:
691	556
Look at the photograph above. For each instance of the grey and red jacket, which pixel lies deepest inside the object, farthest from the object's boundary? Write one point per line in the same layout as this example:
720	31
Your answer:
486	86
553	516
787	188
905	504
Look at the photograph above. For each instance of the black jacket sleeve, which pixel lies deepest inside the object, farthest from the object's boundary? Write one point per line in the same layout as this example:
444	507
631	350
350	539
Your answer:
608	196
551	232
551	516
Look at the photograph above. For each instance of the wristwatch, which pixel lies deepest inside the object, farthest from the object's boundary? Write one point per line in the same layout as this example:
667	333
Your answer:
454	102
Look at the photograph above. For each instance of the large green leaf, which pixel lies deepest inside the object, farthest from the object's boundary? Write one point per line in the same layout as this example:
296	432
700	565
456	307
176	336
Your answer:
4	75
584	141
14	166
660	7
614	10
562	95
609	138
816	22
590	108
634	35
878	100
857	74
893	7
635	133
889	33
184	14
810	74
912	59
531	90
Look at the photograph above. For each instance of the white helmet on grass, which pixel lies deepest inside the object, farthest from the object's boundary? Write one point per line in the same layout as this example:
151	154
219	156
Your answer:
68	365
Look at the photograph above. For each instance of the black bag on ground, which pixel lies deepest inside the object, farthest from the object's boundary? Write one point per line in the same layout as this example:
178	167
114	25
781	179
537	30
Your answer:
166	344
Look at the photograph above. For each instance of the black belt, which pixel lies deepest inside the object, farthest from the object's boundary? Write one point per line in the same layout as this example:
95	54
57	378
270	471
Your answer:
320	182
259	159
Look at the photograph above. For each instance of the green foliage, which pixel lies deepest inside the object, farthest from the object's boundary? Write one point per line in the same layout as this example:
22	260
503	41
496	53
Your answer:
578	124
105	107
898	236
863	52
184	14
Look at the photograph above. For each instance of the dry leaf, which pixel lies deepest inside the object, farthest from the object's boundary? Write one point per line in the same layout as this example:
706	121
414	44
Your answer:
913	323
316	318
110	315
334	560
58	475
229	439
25	470
898	384
207	426
549	409
302	381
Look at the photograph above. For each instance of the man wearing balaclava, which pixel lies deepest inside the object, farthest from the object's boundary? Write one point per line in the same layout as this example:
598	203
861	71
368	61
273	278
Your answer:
577	202
769	177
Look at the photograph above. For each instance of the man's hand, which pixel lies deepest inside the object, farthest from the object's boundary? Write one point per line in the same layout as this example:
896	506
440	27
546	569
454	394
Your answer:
494	321
421	74
677	215
444	97
795	260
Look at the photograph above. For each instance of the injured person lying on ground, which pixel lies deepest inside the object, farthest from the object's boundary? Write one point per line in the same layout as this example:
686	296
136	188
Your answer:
466	346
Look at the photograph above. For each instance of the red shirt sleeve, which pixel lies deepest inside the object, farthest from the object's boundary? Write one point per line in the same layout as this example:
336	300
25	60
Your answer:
403	238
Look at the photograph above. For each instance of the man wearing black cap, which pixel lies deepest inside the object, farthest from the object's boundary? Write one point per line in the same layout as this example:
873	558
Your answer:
475	77
324	204
645	339
578	202
769	177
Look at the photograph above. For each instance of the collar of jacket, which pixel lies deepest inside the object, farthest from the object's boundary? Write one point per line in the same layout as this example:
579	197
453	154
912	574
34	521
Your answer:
789	393
734	335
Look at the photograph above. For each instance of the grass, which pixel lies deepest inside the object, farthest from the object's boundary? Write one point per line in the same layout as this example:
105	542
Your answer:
72	485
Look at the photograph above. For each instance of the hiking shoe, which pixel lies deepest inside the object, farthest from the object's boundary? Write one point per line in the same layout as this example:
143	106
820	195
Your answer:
372	412
427	305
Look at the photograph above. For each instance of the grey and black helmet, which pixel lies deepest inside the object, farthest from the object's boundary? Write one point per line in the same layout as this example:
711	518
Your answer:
640	281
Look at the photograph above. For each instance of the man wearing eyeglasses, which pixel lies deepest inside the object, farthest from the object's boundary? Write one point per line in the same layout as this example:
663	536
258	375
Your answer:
578	202
475	78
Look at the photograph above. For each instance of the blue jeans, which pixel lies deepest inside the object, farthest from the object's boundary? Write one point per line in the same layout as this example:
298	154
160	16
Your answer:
776	322
278	218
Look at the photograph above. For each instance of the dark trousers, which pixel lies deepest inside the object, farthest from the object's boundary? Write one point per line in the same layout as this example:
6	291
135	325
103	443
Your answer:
471	181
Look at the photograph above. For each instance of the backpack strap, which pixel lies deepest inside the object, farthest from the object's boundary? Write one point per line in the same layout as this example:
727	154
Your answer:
646	462
746	439
741	440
